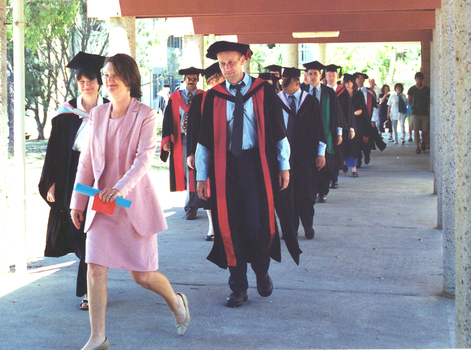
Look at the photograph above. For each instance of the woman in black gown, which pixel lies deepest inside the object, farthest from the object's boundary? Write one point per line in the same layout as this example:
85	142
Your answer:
68	134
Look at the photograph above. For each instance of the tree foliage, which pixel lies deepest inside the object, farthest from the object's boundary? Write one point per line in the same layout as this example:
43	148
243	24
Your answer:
388	64
55	31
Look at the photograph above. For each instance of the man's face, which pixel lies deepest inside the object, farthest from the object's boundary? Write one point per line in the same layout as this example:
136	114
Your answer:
360	81
191	80
419	81
289	85
275	73
331	78
372	83
314	77
214	80
231	63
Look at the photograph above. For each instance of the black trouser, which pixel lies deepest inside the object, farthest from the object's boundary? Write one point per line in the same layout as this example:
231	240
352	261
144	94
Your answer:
324	175
244	194
191	202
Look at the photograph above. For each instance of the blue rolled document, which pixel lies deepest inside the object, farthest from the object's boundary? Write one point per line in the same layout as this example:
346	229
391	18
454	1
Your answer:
90	191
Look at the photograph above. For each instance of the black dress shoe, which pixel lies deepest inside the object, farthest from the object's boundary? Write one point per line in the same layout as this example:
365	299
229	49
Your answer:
209	238
334	185
367	159
309	233
190	215
264	285
236	299
322	199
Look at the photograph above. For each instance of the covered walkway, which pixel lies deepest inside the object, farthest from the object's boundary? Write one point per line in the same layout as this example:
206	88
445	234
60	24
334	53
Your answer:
372	278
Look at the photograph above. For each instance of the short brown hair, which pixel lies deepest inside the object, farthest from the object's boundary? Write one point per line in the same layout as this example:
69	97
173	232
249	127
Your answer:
126	67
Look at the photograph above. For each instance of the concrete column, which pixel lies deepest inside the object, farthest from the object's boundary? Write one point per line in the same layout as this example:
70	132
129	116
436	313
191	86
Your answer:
289	55
448	164
322	53
463	169
122	36
193	53
435	114
4	264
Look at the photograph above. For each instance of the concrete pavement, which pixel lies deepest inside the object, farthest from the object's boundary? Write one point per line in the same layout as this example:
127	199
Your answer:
371	278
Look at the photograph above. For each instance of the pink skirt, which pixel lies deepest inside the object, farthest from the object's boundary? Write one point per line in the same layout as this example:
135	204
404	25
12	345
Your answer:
113	242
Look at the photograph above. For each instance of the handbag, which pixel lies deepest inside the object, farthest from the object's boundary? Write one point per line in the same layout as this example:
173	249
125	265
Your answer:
387	124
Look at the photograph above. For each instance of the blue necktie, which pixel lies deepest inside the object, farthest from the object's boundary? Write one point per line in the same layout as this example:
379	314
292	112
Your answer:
238	122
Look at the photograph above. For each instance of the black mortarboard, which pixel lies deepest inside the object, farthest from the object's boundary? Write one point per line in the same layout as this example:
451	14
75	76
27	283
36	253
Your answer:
222	46
274	68
363	74
291	72
190	71
314	65
267	76
333	68
211	70
349	77
166	85
88	61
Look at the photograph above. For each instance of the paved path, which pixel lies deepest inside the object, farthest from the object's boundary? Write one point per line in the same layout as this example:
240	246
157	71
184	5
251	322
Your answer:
372	278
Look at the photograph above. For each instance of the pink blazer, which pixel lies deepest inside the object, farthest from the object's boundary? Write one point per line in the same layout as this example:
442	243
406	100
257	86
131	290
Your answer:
138	143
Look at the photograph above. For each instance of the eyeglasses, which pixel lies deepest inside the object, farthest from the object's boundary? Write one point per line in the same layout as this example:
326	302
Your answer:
107	76
192	79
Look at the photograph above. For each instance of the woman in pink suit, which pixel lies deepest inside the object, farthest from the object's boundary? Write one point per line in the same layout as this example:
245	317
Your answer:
121	147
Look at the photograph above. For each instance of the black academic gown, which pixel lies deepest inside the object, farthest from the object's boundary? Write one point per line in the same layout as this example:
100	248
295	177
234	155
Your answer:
304	137
171	132
336	120
213	131
363	122
346	105
305	131
194	125
60	168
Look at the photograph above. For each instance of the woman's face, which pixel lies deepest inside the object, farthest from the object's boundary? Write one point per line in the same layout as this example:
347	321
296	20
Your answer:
87	87
386	89
349	85
113	82
398	90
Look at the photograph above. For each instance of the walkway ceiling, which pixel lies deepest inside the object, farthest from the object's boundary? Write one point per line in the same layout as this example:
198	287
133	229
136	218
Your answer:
275	21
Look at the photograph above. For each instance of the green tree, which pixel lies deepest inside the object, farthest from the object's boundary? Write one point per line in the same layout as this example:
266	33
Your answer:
55	31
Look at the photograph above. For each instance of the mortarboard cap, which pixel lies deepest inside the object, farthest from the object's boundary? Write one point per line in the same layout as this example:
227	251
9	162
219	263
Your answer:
87	60
166	85
190	71
211	70
291	72
349	77
333	68
274	68
362	74
267	76
223	46
316	65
